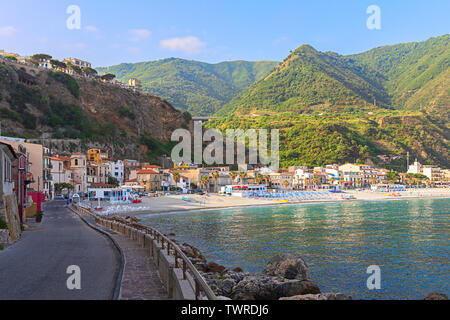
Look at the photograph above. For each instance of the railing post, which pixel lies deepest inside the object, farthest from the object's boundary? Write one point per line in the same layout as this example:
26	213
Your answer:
168	248
184	269
176	258
197	290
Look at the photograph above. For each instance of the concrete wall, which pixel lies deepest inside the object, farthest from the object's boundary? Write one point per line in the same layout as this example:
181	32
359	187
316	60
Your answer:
172	278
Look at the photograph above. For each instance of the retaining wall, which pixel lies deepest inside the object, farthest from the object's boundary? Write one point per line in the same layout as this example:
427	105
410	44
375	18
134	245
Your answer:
180	285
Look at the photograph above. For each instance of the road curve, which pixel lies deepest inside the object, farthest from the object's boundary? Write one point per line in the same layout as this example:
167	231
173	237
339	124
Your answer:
34	268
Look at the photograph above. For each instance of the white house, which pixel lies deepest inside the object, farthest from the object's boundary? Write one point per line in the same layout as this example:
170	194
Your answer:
116	170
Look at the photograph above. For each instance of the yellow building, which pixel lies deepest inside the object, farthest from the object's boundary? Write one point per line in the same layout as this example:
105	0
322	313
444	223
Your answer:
97	155
150	179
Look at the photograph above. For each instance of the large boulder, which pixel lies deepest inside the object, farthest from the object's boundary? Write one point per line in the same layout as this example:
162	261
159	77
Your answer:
213	267
263	287
436	296
287	266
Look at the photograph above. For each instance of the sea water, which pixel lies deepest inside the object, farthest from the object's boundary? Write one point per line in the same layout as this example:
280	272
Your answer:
407	239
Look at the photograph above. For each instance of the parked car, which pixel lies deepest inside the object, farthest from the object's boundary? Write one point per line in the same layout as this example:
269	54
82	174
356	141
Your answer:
59	197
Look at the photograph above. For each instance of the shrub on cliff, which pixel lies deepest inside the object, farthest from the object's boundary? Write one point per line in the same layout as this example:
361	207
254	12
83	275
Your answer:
69	82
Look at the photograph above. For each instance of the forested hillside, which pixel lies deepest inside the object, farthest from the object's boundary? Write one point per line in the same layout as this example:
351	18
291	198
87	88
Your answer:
198	87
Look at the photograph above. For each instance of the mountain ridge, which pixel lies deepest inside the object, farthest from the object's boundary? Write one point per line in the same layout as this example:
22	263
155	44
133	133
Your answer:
198	87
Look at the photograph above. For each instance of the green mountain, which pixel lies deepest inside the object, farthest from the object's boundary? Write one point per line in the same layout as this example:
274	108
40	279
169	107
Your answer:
331	108
405	76
417	74
198	87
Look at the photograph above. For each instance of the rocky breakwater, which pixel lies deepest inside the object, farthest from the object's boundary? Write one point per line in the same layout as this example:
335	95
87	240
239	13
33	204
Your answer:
285	277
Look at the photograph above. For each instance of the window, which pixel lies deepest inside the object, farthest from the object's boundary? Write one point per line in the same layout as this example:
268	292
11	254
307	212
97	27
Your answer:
76	162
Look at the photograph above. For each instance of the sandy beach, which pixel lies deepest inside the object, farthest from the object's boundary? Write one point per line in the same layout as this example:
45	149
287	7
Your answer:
175	203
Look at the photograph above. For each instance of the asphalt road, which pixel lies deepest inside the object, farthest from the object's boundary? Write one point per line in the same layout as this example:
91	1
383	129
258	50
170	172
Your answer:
34	268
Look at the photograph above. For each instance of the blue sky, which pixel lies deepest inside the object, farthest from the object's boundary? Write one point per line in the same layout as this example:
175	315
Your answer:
113	32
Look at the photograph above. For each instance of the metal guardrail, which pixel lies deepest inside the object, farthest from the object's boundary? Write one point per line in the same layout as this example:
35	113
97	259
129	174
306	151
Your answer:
172	249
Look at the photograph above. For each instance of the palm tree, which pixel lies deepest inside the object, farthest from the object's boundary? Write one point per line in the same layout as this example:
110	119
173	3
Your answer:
258	179
316	181
215	176
205	182
358	182
266	178
242	176
176	177
307	181
232	175
332	180
286	184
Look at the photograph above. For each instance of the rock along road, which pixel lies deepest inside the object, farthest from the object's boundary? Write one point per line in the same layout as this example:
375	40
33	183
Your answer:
34	268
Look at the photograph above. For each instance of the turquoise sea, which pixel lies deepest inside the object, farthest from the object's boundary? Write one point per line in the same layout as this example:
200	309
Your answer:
407	239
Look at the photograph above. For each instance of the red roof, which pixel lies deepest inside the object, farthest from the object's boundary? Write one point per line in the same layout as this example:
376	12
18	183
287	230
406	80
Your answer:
101	185
147	171
132	180
60	158
152	166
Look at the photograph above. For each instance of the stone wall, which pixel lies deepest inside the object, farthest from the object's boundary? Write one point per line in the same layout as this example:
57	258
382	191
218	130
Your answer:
11	212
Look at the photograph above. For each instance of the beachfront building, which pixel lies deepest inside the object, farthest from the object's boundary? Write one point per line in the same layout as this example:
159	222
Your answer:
433	173
281	180
302	177
60	169
97	155
243	189
97	172
150	179
78	165
352	174
334	175
109	194
34	152
47	175
116	170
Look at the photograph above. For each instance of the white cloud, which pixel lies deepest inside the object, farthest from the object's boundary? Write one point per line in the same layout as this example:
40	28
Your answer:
139	34
91	29
189	44
7	31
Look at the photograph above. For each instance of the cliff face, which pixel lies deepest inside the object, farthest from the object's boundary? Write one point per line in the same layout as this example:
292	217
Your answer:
55	105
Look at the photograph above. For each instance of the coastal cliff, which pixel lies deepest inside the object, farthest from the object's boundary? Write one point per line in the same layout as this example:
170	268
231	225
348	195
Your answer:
46	104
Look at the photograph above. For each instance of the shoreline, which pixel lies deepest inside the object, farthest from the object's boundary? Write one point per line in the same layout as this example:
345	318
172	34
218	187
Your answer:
293	203
175	204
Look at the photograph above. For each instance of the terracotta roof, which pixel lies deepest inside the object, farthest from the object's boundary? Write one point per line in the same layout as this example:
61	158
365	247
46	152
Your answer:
147	171
60	158
101	185
132	180
152	166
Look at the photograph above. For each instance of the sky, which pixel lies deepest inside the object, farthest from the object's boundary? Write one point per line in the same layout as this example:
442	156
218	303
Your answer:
113	32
